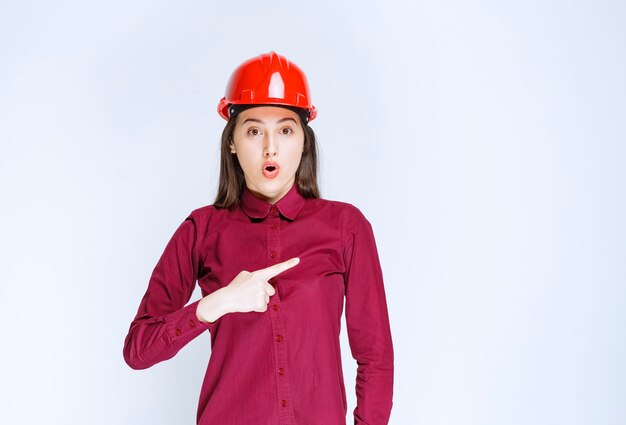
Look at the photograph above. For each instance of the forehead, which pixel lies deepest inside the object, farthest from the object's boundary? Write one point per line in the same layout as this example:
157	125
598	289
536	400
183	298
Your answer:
267	113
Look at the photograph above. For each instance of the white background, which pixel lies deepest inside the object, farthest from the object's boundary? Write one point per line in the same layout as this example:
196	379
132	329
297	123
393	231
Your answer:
483	140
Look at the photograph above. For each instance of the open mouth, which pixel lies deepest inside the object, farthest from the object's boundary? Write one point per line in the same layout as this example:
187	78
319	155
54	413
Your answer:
270	170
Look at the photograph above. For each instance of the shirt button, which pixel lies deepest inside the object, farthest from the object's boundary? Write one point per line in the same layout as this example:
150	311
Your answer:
283	403
276	307
273	226
178	332
279	338
281	371
192	323
273	210
273	254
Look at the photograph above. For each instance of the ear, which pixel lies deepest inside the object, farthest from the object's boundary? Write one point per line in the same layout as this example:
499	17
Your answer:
232	147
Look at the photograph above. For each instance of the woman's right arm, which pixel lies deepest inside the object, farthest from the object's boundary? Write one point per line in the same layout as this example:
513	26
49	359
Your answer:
163	324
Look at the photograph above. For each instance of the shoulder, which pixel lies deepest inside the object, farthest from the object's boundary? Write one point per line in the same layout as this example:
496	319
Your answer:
337	208
203	213
351	217
202	218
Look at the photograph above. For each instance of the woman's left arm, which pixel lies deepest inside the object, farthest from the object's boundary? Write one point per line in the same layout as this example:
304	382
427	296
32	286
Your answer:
367	322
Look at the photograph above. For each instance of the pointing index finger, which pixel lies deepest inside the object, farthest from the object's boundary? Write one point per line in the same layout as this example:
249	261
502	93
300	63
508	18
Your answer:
278	268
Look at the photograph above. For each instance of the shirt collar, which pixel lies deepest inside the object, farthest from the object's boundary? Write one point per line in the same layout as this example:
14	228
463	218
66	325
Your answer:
289	205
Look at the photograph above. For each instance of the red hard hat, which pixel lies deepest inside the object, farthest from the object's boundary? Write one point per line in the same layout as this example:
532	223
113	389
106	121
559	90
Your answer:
267	79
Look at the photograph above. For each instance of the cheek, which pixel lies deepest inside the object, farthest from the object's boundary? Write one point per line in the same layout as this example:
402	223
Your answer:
246	156
293	158
295	153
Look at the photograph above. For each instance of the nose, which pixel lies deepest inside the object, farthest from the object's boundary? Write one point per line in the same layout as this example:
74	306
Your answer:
270	146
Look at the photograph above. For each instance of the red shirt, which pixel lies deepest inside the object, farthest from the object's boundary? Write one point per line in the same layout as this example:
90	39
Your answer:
281	366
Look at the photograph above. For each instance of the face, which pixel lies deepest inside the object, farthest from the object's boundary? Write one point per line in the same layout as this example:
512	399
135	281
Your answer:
266	136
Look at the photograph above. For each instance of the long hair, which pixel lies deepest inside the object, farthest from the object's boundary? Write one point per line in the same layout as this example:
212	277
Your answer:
231	181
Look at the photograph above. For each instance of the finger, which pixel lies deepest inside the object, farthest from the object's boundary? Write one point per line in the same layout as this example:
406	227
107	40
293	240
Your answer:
267	298
269	289
278	268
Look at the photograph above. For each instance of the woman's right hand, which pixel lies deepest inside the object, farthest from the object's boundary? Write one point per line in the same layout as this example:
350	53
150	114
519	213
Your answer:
248	291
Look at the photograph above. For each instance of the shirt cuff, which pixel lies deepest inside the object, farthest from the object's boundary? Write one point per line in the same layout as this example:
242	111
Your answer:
184	323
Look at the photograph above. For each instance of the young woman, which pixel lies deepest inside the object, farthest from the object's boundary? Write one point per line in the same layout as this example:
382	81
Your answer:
275	262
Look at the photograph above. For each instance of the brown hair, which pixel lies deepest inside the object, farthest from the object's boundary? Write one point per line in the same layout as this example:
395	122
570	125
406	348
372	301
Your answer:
231	181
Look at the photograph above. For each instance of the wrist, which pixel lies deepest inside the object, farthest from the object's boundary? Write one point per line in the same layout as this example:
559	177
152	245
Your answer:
212	307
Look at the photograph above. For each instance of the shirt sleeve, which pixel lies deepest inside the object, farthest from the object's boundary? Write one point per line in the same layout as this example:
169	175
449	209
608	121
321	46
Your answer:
163	324
367	322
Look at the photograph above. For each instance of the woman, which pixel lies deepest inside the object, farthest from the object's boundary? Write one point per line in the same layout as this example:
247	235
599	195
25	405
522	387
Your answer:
275	262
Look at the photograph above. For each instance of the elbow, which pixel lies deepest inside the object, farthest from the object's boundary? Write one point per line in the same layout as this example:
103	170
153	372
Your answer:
134	361
132	356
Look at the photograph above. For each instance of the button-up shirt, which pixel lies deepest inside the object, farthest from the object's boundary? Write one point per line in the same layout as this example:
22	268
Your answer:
281	366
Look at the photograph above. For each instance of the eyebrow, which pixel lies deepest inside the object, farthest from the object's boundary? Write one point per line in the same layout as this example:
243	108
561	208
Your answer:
259	121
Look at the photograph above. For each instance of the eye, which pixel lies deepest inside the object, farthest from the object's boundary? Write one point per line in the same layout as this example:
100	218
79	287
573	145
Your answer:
287	130
253	131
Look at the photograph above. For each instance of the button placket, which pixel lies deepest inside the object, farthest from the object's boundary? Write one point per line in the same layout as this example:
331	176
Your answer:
285	410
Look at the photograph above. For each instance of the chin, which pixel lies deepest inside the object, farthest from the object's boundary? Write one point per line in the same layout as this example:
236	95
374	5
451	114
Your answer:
272	185
269	185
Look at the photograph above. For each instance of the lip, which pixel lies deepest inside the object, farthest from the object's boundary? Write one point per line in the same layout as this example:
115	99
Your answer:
270	174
